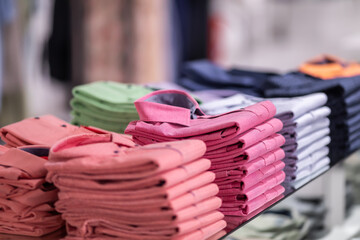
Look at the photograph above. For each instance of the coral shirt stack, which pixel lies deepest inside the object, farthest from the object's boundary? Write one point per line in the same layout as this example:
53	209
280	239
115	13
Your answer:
112	190
26	199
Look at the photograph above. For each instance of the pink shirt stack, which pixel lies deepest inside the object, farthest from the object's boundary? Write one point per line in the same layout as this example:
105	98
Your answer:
243	145
109	189
26	200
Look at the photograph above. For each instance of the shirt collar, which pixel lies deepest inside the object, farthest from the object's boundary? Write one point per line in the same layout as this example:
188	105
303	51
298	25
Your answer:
172	106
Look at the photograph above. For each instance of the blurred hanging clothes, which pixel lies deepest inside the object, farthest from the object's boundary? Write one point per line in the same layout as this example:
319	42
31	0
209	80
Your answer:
12	91
59	44
188	33
38	83
229	31
111	42
7	14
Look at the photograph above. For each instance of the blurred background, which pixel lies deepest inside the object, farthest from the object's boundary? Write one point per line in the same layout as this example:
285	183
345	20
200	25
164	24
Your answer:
49	46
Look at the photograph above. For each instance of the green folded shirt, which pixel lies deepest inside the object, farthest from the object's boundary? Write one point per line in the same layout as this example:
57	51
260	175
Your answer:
102	114
107	105
111	96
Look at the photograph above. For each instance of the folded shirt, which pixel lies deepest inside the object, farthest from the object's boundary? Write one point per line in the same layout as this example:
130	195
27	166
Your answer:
250	137
304	152
44	130
328	67
308	170
135	217
295	107
59	234
319	124
158	192
160	119
313	157
83	120
179	200
299	183
297	84
107	228
312	116
247	168
202	75
349	111
26	229
232	153
115	182
125	163
311	138
352	99
242	209
111	96
108	105
82	107
236	221
244	182
230	195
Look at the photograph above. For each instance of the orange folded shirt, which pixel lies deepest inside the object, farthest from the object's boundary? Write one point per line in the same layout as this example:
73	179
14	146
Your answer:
328	67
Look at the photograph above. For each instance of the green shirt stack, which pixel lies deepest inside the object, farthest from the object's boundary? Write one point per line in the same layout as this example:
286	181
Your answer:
106	105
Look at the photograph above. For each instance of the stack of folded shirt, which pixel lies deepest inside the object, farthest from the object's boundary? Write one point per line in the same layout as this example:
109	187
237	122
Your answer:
26	200
44	130
346	116
107	105
111	191
242	145
343	100
306	130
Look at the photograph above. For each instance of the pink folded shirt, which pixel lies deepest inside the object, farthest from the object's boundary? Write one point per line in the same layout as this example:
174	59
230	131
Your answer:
26	229
271	143
108	228
250	137
205	232
166	216
18	164
127	163
73	199
235	221
242	209
229	136
226	169
160	119
230	195
245	182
